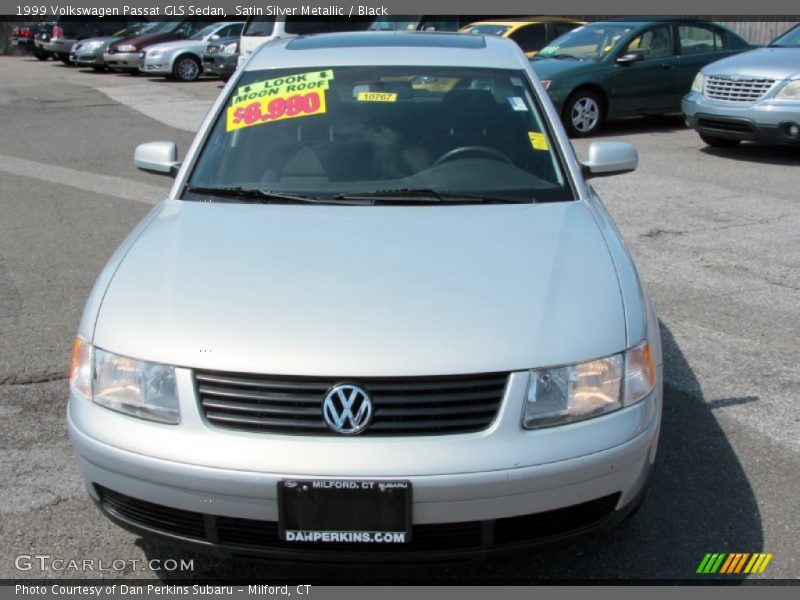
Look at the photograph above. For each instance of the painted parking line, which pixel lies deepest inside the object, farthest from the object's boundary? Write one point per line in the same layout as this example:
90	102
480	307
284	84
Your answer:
118	187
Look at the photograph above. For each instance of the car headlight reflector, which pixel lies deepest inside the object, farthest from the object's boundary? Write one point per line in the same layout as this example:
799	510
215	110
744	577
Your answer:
790	91
134	387
697	84
92	45
156	52
560	395
126	48
230	49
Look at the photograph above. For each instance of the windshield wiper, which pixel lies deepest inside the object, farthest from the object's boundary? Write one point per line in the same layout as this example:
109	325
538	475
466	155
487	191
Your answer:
259	195
428	196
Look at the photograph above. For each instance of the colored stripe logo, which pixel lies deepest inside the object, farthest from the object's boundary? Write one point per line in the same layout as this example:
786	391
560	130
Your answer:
733	563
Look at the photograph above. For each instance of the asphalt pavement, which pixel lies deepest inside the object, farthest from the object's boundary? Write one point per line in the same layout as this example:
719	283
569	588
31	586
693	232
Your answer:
716	236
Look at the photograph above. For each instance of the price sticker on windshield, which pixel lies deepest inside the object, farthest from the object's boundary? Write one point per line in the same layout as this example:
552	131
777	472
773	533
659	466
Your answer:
538	141
276	108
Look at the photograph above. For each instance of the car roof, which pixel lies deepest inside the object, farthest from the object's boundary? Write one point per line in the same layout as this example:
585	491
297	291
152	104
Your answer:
637	22
389	48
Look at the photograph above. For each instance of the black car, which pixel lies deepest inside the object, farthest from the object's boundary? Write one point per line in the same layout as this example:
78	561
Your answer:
68	30
24	34
221	57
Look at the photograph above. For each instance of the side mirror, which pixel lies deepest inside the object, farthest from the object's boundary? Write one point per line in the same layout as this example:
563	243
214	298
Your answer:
157	157
610	158
629	58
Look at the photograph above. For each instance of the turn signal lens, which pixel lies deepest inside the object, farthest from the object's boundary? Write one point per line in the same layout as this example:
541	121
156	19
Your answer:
640	373
697	84
80	368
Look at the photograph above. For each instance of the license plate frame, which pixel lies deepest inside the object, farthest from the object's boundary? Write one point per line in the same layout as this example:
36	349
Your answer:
353	511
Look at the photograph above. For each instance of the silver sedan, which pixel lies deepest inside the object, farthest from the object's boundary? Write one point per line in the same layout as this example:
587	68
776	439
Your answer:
183	59
380	315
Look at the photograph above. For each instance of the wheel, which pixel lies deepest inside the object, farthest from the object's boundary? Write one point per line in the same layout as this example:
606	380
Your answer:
225	78
583	113
41	55
186	68
131	71
485	150
98	68
717	142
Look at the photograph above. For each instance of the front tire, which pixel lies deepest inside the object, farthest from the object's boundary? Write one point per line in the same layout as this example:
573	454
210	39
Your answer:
98	68
186	68
41	55
718	142
583	113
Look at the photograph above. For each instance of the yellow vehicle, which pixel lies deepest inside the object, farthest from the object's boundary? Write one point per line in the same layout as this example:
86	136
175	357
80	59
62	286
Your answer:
530	33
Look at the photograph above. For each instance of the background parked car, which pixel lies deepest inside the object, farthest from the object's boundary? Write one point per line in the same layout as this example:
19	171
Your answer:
124	53
41	38
68	30
752	96
22	36
531	33
183	59
89	52
221	57
624	68
260	30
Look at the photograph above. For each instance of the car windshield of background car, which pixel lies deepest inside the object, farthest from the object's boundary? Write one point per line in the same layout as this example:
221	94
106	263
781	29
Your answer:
590	42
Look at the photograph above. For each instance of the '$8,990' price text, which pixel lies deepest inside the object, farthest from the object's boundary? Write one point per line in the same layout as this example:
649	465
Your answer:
275	109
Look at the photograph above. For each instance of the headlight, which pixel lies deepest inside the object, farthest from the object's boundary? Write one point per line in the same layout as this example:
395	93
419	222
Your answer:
156	52
126	48
133	387
697	84
791	91
231	48
561	395
92	45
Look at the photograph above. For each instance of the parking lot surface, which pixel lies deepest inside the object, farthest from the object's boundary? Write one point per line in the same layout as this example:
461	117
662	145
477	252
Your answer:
716	236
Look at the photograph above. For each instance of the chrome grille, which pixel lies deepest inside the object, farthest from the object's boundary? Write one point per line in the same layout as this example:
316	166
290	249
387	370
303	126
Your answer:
730	89
402	406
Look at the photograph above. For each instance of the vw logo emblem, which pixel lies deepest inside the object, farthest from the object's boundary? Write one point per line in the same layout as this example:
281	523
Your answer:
347	408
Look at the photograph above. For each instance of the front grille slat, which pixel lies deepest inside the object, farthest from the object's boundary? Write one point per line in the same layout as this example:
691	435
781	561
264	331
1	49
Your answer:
729	89
402	406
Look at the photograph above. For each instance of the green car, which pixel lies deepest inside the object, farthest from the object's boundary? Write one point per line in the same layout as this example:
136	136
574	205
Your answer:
625	68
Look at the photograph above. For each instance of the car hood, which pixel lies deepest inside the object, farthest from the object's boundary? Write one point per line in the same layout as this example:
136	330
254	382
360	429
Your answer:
143	41
365	291
555	68
774	63
179	45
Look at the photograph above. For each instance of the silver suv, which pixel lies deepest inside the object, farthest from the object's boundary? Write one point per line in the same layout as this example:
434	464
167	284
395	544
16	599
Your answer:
380	315
752	96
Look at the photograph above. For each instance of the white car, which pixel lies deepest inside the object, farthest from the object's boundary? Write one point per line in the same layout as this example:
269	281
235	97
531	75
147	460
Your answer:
183	59
380	315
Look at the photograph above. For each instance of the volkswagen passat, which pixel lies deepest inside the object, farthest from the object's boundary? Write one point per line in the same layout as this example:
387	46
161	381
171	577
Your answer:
375	318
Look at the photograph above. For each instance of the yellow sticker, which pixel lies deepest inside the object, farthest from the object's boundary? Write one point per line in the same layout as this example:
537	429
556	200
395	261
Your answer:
275	108
289	84
376	97
538	141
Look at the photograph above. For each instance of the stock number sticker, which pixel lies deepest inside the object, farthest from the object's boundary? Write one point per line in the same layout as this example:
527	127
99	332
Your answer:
275	108
538	140
377	97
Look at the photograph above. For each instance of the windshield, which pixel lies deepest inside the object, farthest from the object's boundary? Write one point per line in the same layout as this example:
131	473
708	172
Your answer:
487	29
137	29
259	26
395	23
165	27
789	39
330	131
205	32
590	42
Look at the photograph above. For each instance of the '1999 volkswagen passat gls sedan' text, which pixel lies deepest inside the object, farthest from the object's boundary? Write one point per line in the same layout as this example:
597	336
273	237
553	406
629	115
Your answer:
379	316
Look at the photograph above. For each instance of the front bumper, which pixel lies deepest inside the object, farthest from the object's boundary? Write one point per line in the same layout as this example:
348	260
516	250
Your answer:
220	65
122	60
59	46
90	58
158	65
766	121
228	479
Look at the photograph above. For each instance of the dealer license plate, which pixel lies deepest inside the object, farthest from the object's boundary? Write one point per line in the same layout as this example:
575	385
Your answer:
344	511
